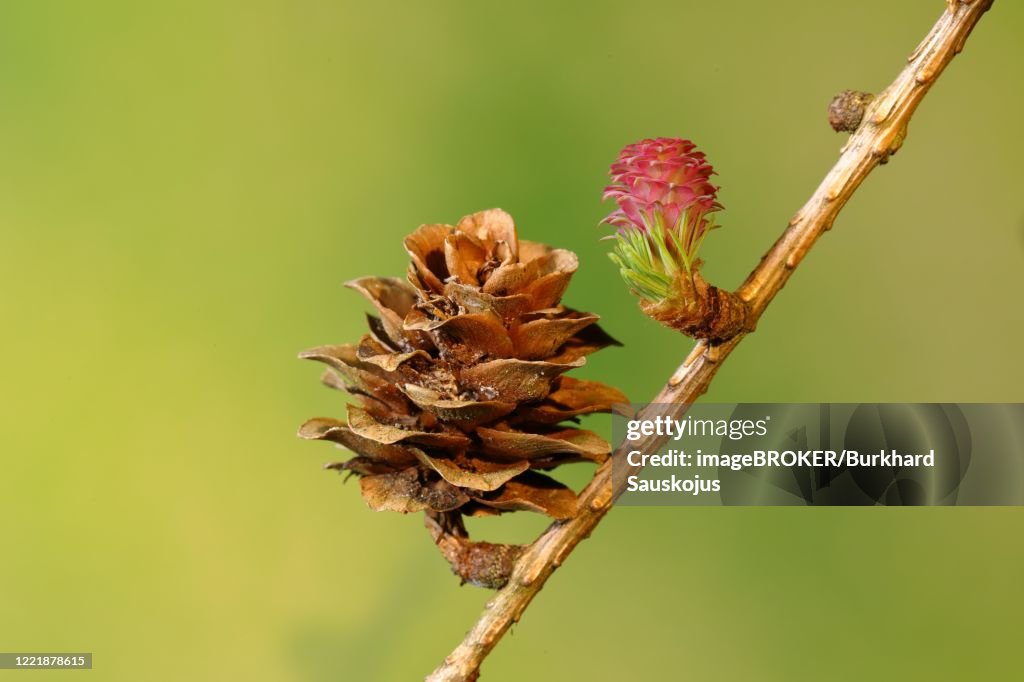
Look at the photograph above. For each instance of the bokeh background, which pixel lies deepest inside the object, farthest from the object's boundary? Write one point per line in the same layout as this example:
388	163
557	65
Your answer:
184	187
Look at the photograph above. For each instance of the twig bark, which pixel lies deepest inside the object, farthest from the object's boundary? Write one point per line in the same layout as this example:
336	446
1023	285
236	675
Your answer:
880	135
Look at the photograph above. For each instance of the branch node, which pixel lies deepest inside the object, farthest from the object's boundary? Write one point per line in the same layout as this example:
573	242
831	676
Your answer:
532	574
683	371
924	76
886	147
602	499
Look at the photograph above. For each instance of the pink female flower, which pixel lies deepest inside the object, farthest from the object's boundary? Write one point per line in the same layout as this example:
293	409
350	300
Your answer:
665	200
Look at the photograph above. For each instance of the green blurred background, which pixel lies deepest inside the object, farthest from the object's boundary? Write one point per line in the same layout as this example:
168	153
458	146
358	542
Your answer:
185	185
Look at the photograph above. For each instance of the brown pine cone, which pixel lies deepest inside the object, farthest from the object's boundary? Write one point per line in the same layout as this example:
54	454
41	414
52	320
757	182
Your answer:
460	384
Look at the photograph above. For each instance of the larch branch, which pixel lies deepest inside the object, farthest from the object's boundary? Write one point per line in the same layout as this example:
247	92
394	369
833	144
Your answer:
880	134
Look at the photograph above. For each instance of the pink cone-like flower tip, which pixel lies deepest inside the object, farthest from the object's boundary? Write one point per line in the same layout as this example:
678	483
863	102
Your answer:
665	176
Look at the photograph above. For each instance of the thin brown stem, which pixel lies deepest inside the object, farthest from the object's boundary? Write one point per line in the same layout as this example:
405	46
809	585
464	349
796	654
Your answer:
879	136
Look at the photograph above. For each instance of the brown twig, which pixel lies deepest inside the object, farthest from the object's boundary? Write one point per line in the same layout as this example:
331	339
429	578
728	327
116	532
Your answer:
879	136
